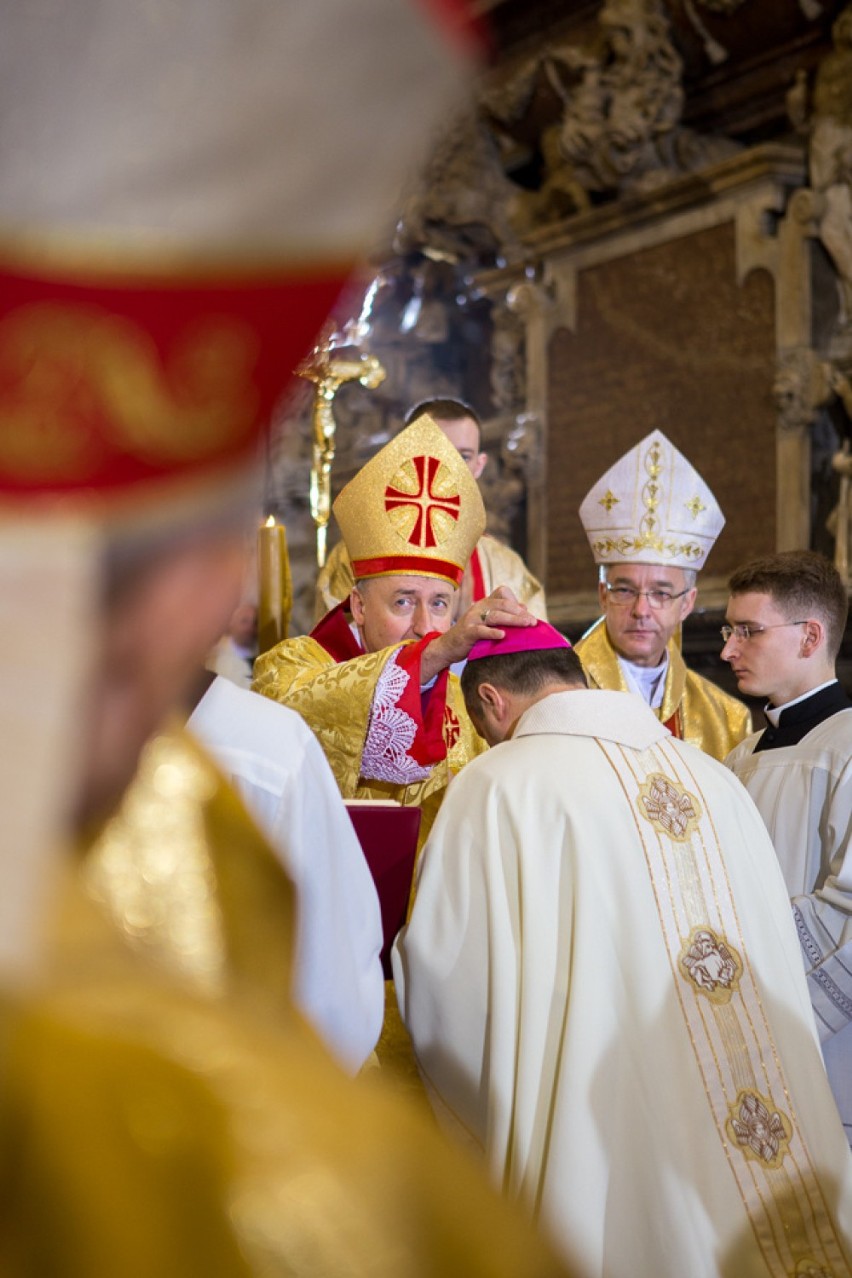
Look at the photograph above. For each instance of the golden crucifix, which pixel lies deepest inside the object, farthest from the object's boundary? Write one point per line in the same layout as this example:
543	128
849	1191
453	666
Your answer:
328	372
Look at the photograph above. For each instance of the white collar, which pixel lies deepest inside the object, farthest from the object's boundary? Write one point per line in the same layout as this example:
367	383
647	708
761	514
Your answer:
774	713
594	712
648	682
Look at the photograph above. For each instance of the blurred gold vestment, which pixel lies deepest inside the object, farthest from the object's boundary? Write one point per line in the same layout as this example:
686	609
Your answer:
166	1111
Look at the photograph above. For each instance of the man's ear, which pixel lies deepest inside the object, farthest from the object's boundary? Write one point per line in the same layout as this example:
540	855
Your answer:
356	606
813	637
688	603
479	464
492	698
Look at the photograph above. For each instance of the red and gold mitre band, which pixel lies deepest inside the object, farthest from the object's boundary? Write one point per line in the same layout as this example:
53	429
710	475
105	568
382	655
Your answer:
112	382
390	565
414	508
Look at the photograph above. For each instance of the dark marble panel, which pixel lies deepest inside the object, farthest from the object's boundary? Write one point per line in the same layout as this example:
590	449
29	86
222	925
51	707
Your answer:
666	339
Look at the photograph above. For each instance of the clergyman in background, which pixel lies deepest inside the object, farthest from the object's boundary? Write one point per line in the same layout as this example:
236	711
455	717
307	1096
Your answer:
784	625
651	522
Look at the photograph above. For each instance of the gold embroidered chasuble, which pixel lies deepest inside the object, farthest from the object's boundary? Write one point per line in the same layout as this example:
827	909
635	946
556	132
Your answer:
165	1109
338	700
693	708
641	1065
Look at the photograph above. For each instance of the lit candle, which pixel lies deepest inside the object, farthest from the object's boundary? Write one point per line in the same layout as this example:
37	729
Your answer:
275	589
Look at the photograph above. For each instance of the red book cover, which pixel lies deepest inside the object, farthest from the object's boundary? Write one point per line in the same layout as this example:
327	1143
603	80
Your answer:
388	834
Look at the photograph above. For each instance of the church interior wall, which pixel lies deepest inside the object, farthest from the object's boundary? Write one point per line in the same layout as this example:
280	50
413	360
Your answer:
585	263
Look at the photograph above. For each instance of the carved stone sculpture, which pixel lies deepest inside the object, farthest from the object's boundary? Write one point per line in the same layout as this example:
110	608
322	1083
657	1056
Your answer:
458	209
620	127
802	386
623	104
827	119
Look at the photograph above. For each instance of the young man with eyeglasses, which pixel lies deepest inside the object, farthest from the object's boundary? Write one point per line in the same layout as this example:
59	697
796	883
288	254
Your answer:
651	521
785	622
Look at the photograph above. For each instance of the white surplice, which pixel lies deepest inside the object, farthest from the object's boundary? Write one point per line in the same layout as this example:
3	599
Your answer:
603	984
804	794
275	762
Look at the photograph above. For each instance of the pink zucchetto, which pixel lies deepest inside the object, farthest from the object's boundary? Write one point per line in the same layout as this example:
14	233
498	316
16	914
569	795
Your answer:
520	639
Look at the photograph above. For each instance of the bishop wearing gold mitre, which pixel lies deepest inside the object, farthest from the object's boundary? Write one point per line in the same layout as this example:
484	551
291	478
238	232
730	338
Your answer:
492	563
373	678
651	522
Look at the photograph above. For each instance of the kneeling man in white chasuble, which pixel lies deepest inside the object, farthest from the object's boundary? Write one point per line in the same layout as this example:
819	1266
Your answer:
603	984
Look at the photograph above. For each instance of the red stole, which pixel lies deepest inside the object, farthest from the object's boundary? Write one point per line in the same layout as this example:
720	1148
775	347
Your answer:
429	712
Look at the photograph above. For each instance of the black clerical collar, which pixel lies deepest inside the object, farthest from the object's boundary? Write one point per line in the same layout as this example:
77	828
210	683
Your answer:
798	720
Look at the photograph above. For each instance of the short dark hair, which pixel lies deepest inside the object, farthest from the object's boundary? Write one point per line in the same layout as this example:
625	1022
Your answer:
522	672
799	582
443	410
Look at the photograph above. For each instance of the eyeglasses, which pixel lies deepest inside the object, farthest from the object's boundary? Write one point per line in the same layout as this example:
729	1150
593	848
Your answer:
621	596
742	629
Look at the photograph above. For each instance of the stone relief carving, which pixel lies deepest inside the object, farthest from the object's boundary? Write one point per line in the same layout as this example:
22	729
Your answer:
507	362
800	389
815	395
622	104
619	125
458	208
824	115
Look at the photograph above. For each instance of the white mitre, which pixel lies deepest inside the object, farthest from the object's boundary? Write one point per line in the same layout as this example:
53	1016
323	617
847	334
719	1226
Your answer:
651	507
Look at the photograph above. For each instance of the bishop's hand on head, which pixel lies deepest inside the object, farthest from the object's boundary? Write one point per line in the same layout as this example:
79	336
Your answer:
485	619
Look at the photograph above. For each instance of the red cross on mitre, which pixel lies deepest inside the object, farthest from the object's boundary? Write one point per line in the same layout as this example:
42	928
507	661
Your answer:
425	501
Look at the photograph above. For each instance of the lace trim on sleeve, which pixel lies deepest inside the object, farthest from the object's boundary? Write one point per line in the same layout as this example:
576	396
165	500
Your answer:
391	732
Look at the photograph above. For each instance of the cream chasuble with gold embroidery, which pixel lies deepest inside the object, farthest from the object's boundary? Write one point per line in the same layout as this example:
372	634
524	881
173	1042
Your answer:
604	988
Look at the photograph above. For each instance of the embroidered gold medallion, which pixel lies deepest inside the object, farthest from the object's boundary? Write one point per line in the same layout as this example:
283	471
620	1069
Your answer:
810	1269
711	965
670	808
758	1129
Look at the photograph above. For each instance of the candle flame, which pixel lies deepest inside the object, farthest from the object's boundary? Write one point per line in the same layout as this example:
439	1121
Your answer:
270	523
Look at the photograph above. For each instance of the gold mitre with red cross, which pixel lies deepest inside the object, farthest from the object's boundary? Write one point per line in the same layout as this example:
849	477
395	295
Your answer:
414	508
651	507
